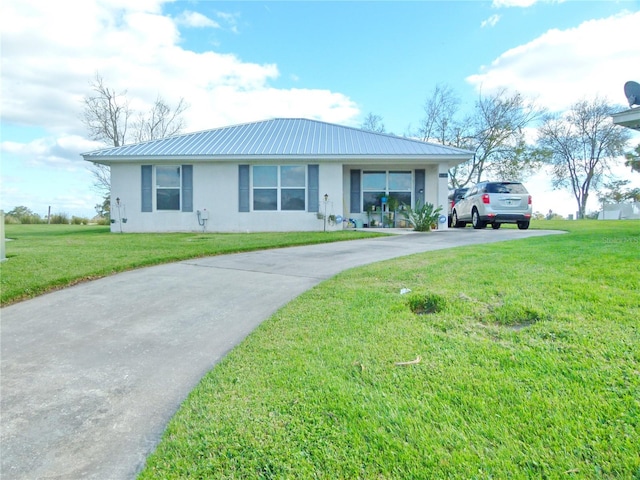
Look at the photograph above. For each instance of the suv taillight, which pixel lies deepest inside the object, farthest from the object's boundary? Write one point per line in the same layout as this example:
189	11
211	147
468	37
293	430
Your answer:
485	198
529	199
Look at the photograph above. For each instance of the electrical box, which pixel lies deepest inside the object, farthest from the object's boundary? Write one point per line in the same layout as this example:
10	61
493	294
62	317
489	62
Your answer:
204	215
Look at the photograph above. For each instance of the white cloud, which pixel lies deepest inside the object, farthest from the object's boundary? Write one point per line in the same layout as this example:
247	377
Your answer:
60	152
196	20
563	66
49	58
491	21
520	3
230	20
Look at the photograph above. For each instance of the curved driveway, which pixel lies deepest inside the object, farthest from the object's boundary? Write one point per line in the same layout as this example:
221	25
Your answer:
92	374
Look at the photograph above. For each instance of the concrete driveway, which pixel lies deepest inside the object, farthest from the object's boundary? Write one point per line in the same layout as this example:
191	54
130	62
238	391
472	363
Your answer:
92	374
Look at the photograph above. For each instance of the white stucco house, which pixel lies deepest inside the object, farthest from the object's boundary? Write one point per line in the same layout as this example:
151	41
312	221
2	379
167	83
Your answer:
273	175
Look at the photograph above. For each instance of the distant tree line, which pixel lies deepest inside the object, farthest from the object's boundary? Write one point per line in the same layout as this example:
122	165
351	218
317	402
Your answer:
23	215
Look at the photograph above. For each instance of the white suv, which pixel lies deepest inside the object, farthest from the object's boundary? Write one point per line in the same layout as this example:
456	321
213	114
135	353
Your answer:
493	203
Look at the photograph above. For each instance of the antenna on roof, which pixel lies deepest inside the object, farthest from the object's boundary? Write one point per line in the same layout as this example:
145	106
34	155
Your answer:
632	91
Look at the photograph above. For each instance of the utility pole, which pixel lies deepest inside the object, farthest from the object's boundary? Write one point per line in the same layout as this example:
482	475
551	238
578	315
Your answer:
3	255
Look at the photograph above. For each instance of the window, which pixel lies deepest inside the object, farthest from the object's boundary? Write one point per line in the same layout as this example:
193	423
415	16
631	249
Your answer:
173	188
376	185
168	188
279	187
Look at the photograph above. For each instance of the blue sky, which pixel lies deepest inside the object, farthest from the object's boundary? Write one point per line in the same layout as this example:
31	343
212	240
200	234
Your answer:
335	61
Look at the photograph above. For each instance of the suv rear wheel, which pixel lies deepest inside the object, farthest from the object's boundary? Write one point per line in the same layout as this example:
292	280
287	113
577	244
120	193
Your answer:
495	226
523	225
475	220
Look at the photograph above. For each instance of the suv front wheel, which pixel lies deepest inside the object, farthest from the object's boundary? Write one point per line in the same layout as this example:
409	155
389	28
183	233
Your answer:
475	220
454	221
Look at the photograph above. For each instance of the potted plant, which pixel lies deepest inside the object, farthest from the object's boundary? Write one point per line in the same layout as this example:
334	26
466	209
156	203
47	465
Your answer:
370	220
392	205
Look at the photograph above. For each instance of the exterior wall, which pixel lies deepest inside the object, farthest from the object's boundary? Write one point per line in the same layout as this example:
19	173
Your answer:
215	189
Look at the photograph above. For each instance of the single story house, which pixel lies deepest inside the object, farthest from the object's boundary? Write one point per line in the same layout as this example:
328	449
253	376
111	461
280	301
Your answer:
283	174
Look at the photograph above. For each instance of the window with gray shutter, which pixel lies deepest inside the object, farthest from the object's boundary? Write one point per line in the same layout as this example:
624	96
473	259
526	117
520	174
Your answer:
419	186
187	188
313	198
243	188
147	188
355	191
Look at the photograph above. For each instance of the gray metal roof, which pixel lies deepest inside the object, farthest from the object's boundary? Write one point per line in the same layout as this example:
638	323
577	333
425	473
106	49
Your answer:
278	137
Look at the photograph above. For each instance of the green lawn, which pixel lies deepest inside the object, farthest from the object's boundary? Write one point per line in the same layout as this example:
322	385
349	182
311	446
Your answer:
45	257
528	367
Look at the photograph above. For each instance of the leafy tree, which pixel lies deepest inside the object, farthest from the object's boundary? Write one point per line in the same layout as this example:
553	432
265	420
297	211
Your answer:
581	146
633	159
494	131
23	214
109	119
373	123
616	193
104	209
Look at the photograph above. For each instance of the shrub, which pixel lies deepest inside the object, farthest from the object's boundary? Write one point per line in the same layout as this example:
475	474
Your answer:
59	219
10	220
423	216
79	220
426	304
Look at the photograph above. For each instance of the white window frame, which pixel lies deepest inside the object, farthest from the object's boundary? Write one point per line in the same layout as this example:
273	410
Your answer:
387	190
279	188
157	187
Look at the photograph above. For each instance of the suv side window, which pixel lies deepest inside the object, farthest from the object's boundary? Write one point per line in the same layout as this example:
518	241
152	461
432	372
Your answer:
471	192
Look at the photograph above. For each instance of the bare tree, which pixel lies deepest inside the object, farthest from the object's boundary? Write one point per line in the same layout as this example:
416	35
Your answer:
106	114
439	122
498	139
108	119
160	121
581	146
373	123
494	131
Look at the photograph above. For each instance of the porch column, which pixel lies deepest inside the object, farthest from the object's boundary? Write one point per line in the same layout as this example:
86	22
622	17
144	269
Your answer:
443	193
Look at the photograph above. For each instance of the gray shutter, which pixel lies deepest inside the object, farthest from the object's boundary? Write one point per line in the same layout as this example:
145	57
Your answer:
187	188
147	188
313	199
419	186
355	191
243	188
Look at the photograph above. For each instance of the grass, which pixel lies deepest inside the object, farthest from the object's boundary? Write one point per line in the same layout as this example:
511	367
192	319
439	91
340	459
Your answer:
42	258
526	364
